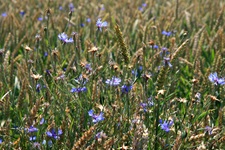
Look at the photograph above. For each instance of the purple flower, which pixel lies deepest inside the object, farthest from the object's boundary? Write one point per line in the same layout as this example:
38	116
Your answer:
78	90
82	25
149	103
88	19
155	46
42	121
167	61
22	13
54	134
101	24
126	88
96	118
0	141
214	79
38	88
4	14
88	67
32	129
208	129
36	145
114	81
166	33
81	80
71	6
33	138
60	8
138	71
166	125
100	135
141	8
164	51
64	38
144	106
45	54
40	19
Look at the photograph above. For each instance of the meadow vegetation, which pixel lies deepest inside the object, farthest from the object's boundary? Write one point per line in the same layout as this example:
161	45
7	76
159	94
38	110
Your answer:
101	74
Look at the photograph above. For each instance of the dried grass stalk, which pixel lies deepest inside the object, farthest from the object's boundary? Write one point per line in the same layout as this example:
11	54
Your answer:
85	137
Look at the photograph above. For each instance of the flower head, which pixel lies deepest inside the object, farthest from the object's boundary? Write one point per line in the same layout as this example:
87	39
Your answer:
71	6
64	38
40	18
101	24
141	8
155	46
208	129
147	104
166	125
4	14
167	61
126	88
96	118
54	134
88	19
22	13
215	79
78	90
114	81
88	67
33	138
166	33
32	129
38	88
42	121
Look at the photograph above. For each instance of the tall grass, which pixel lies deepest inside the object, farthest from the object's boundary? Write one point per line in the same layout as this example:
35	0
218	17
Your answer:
141	81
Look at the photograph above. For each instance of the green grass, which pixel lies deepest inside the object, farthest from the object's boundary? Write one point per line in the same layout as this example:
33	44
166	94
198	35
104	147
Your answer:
181	93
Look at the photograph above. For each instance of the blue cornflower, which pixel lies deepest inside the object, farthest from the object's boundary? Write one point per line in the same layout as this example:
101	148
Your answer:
64	38
114	81
22	13
33	138
155	46
126	88
42	121
149	103
45	54
144	106
164	51
88	19
137	72
78	90
208	129
88	67
1	141
82	25
38	88
166	33
100	135
40	18
101	24
141	8
81	80
32	129
4	14
54	134
71	6
60	8
96	118
166	125
167	61
215	79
